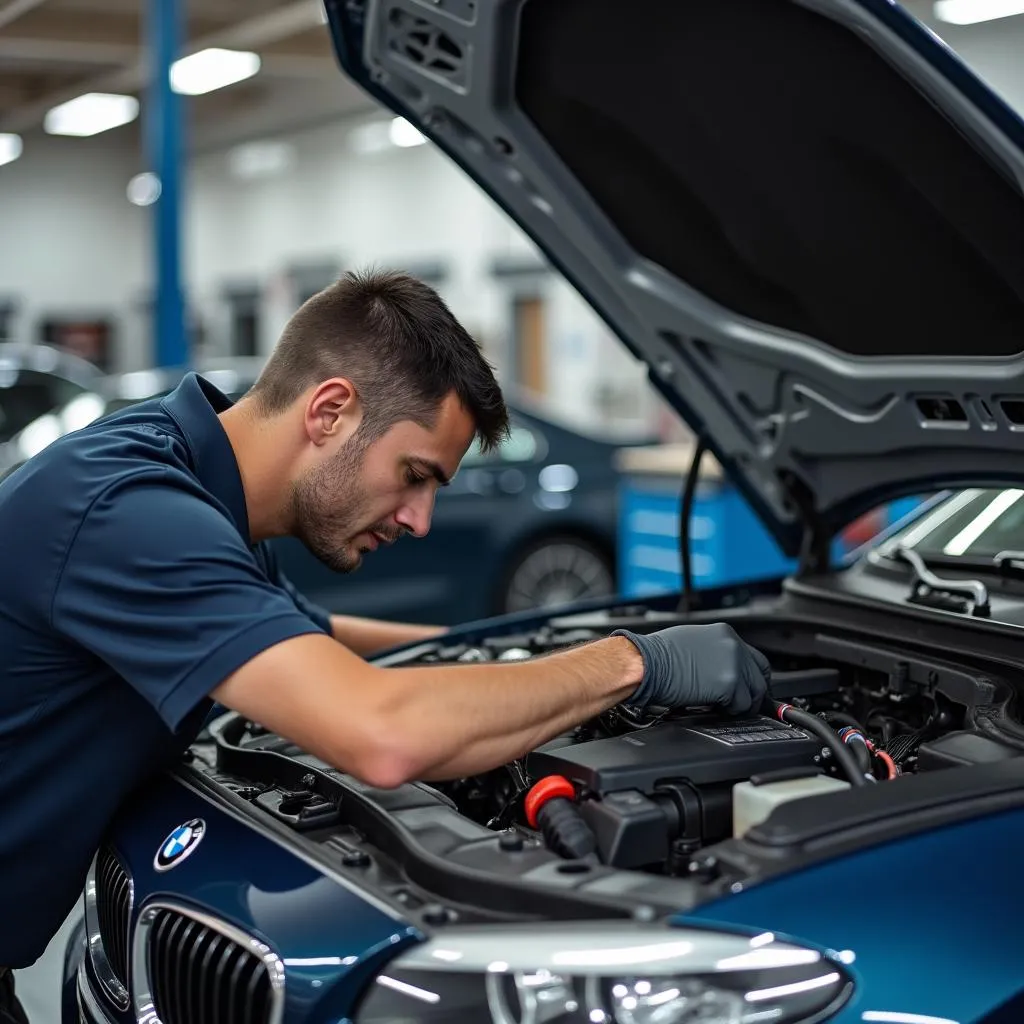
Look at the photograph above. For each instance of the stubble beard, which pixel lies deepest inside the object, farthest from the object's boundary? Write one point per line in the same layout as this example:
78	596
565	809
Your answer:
328	503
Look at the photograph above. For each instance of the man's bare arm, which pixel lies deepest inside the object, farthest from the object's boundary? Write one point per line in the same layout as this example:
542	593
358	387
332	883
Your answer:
367	637
387	726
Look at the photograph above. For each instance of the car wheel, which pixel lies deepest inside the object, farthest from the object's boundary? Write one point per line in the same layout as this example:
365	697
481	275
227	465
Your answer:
555	571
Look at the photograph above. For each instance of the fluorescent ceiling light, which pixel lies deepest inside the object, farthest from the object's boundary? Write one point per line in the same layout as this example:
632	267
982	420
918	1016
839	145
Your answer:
91	114
970	12
10	147
212	69
404	134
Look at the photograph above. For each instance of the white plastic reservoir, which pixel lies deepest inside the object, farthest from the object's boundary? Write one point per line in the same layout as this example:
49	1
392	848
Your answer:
752	804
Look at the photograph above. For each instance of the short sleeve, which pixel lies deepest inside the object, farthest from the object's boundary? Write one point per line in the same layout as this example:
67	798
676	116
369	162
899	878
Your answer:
159	584
319	615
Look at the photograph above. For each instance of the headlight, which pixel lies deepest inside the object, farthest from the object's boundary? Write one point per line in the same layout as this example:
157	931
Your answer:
605	973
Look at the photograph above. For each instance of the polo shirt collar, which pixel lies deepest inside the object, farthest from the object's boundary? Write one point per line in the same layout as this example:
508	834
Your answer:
194	405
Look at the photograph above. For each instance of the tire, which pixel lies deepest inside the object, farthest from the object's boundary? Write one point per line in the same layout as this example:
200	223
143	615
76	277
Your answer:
556	571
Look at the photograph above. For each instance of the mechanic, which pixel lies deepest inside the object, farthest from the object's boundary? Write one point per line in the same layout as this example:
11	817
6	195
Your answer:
138	590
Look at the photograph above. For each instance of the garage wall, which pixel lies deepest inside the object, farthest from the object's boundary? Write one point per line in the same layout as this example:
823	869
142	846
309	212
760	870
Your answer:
332	207
73	245
70	242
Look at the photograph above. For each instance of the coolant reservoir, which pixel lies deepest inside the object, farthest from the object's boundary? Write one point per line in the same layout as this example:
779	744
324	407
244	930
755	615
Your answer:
753	802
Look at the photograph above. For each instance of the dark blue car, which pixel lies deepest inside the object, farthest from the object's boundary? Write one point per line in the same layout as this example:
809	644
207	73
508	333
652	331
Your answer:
807	218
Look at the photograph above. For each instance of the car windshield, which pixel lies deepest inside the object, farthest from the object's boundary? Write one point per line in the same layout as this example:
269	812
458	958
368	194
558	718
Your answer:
975	524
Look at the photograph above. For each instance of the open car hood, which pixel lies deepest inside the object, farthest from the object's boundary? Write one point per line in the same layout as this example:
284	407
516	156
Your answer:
805	216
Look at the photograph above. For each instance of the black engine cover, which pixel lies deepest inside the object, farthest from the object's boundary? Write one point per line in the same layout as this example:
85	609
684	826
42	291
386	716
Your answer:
702	749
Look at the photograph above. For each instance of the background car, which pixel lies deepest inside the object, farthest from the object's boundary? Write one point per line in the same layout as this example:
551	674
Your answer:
34	380
531	524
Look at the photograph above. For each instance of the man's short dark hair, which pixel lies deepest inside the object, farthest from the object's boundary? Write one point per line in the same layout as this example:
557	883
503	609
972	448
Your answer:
395	338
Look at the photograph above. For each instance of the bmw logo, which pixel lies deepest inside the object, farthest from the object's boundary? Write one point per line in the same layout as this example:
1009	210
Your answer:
179	844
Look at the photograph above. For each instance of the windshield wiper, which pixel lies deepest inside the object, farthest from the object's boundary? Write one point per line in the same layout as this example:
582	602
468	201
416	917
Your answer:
1007	565
967	596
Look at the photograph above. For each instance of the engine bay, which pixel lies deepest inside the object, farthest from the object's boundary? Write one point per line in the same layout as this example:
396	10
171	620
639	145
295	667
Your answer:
665	794
649	792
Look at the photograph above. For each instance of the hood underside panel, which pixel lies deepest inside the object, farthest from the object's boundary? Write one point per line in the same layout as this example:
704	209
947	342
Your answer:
765	156
806	217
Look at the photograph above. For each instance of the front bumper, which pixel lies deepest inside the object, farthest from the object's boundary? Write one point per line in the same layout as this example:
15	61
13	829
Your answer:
90	1010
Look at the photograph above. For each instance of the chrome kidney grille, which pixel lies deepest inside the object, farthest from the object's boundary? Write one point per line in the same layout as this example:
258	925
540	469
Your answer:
113	910
108	908
200	970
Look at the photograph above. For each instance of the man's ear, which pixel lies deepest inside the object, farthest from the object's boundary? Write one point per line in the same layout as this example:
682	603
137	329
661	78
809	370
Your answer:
333	411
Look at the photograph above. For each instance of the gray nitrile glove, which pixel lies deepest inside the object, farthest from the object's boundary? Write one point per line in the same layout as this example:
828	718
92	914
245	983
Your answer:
691	666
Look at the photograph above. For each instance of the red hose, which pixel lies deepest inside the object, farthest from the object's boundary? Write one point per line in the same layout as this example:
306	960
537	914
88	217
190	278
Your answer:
546	789
890	764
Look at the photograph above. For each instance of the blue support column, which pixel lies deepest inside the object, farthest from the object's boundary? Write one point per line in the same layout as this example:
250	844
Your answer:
163	133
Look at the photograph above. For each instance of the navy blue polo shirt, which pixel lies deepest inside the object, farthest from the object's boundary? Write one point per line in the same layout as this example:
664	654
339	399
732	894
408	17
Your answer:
129	590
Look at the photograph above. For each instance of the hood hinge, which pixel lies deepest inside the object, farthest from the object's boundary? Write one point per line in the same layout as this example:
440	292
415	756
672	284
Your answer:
815	552
816	545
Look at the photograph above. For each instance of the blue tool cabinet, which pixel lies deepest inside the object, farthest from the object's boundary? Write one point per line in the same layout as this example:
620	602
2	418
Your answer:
728	543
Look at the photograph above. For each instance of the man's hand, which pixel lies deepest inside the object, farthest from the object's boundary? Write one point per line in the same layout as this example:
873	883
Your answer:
690	666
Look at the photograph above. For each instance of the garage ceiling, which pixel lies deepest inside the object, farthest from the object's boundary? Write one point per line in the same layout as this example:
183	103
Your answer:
54	50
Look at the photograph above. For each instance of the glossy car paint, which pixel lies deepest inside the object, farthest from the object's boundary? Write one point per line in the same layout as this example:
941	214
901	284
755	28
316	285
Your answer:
911	936
932	922
330	937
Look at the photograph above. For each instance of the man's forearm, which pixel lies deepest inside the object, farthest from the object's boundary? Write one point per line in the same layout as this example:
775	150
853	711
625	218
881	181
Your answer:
455	721
367	637
390	725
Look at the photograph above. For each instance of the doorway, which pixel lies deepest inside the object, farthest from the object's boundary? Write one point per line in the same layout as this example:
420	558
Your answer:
529	343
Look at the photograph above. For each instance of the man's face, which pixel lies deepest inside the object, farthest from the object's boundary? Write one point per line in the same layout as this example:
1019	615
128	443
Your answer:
362	496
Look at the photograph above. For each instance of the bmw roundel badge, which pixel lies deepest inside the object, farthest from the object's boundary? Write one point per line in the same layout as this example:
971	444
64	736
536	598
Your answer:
179	844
